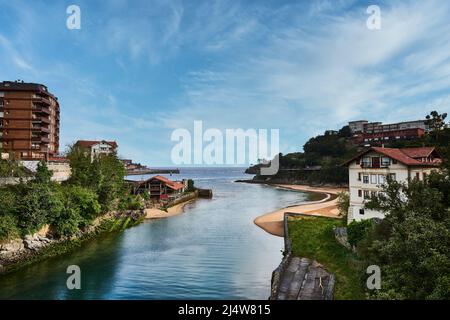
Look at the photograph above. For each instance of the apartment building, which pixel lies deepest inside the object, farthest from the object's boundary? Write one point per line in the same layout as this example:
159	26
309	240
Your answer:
97	148
29	121
369	170
376	132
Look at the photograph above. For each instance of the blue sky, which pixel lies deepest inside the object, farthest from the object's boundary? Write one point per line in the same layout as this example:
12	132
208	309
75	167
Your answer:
137	70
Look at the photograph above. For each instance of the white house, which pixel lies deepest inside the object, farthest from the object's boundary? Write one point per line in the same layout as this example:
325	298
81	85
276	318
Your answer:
97	148
369	169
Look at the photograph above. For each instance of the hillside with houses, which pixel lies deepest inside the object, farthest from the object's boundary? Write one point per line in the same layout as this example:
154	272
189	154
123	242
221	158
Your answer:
323	156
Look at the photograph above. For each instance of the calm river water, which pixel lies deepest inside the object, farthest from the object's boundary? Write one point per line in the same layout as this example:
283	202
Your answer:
211	251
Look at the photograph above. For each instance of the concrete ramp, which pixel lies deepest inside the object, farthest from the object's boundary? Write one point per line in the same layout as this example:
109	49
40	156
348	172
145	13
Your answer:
302	279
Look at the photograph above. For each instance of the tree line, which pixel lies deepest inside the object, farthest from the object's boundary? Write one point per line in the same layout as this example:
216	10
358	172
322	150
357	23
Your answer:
94	188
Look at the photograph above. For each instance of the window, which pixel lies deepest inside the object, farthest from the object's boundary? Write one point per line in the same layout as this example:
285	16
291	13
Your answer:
417	176
373	179
385	161
381	179
360	193
366	162
361	211
375	162
366	194
393	176
373	194
394	161
365	179
359	176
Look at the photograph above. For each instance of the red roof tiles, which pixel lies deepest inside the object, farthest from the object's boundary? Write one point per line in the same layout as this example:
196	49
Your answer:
171	184
90	143
407	156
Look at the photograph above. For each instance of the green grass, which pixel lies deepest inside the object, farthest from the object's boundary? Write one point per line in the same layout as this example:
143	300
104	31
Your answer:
313	237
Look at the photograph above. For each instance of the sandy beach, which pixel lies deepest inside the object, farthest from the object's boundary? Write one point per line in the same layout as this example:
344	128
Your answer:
272	222
154	213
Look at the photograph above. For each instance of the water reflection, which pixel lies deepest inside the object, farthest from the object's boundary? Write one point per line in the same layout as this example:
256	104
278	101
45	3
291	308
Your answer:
212	251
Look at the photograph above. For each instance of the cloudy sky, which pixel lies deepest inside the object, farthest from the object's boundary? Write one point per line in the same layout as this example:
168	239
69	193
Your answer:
137	70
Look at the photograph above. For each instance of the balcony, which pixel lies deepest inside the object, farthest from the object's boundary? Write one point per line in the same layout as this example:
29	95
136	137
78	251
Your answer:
39	139
38	109
40	119
41	129
39	99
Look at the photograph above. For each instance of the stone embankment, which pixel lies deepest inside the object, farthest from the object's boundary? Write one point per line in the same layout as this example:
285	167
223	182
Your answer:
15	250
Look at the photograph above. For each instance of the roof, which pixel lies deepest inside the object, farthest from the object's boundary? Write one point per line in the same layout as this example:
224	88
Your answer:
25	86
21	86
407	156
171	184
90	143
418	152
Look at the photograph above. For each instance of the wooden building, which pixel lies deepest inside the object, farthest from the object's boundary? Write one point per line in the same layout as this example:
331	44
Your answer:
158	187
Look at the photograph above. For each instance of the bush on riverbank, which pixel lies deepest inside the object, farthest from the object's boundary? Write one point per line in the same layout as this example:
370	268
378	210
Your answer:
313	237
69	207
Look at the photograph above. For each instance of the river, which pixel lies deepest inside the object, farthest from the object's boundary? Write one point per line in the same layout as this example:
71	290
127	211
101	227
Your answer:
211	251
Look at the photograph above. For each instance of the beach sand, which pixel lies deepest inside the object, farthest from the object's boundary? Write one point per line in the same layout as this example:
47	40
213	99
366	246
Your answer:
273	222
154	213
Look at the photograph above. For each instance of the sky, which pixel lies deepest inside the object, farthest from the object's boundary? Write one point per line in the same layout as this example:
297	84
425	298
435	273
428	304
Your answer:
138	70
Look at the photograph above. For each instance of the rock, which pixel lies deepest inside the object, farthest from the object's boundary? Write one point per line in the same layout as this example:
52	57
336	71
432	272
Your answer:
12	246
33	244
43	239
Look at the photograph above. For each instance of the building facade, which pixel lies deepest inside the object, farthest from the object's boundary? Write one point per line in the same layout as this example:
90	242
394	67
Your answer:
97	148
376	132
159	187
369	170
29	121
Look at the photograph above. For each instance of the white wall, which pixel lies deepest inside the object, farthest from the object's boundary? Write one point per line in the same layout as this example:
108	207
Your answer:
402	174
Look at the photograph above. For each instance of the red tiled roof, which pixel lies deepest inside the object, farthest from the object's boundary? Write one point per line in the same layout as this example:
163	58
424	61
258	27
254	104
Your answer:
90	143
418	152
405	155
171	184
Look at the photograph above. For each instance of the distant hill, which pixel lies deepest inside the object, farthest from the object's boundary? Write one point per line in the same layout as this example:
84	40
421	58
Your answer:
320	163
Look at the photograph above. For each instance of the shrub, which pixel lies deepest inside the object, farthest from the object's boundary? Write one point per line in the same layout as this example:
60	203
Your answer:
85	201
343	204
358	230
68	221
131	202
39	206
8	227
190	186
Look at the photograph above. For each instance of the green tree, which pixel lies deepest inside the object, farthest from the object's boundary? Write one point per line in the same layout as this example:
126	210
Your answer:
436	122
343	204
43	174
40	205
412	244
104	175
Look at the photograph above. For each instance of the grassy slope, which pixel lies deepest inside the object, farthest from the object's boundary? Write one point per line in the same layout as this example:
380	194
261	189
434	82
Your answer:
313	237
